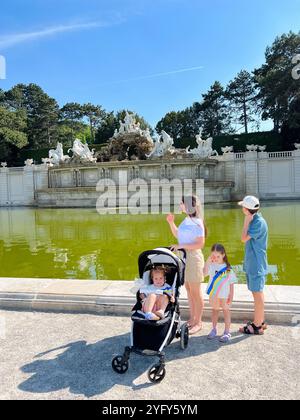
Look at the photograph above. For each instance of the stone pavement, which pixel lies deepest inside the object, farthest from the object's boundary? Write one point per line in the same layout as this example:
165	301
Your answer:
68	356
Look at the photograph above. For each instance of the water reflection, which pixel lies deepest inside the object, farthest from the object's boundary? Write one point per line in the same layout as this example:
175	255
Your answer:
79	243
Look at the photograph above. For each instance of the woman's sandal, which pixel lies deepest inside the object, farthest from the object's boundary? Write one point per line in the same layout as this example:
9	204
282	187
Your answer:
253	331
195	329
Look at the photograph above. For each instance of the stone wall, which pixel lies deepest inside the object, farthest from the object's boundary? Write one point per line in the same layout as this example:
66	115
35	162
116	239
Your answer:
268	175
18	186
273	175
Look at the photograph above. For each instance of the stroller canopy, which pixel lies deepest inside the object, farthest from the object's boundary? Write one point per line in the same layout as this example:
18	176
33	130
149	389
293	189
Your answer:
162	256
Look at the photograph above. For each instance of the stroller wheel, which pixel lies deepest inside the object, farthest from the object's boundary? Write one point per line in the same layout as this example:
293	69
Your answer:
119	365
156	373
184	336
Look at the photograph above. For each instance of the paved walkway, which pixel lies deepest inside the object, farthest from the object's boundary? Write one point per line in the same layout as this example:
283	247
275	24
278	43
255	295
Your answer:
65	356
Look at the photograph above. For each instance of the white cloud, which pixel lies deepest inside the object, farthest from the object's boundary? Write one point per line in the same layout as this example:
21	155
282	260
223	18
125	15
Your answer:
155	75
10	40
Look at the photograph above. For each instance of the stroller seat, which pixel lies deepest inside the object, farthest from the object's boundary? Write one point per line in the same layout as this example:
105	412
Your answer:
137	313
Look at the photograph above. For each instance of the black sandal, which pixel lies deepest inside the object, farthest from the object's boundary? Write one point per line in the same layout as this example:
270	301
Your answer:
256	330
264	325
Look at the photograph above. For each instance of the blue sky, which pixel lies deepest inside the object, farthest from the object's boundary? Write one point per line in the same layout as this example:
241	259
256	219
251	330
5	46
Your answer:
150	56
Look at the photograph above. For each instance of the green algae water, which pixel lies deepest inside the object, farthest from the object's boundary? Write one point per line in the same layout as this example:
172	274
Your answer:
81	244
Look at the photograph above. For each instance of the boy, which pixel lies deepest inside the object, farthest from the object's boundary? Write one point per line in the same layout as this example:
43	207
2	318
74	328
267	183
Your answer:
255	238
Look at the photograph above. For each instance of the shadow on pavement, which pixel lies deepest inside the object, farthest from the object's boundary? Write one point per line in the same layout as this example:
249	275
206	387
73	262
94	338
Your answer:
85	369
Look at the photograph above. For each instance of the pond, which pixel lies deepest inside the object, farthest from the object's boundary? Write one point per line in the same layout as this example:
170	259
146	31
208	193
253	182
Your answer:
81	244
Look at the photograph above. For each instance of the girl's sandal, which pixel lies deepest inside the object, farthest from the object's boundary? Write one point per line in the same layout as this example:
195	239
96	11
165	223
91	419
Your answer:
252	329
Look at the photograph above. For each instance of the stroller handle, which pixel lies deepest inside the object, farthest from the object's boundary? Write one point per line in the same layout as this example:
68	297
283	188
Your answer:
180	250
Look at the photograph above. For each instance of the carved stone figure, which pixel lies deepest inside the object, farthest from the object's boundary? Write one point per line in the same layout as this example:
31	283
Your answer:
82	153
28	162
251	147
57	156
227	149
47	162
130	142
262	148
204	149
162	146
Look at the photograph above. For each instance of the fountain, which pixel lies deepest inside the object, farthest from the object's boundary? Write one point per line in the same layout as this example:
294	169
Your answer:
131	155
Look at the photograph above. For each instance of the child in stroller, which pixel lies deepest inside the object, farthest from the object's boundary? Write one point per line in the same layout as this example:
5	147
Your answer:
150	336
156	297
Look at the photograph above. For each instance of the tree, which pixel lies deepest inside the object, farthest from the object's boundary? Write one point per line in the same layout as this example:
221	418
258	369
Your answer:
95	116
107	128
12	131
173	123
71	115
274	79
215	111
42	113
242	96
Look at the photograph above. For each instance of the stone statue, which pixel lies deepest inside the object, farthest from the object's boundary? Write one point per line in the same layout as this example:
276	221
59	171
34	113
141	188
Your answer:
4	164
162	146
251	147
130	123
297	146
204	149
130	126
57	156
227	149
82	152
262	148
47	162
129	142
28	162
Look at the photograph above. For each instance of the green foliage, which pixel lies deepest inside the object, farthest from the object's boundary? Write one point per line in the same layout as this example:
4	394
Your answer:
214	111
12	132
95	116
42	112
242	97
107	128
272	140
274	79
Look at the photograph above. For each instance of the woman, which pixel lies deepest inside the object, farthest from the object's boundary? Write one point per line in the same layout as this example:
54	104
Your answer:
191	237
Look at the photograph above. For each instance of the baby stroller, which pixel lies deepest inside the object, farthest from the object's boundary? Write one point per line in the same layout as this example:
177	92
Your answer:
149	338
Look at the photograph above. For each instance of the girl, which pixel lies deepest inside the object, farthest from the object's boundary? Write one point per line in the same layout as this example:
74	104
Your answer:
220	289
156	297
191	237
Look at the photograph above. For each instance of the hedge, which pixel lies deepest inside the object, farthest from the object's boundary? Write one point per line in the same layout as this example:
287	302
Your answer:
273	141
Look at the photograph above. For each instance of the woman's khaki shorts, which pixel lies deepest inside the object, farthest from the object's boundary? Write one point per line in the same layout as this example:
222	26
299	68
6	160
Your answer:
194	267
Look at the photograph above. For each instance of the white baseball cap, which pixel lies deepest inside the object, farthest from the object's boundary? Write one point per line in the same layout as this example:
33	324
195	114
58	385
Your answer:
250	202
